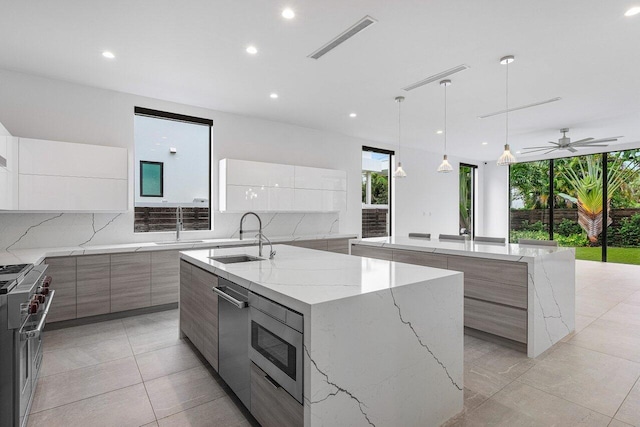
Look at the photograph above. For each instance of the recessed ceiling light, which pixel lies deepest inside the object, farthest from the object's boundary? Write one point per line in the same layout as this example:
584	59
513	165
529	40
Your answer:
288	14
274	96
439	132
252	50
633	11
108	54
484	143
353	115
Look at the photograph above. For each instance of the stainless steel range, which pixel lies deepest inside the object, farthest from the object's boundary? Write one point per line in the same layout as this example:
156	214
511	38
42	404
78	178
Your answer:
25	299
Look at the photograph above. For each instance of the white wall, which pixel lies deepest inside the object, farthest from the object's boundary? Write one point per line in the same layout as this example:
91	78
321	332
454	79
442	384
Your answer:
496	200
427	201
42	108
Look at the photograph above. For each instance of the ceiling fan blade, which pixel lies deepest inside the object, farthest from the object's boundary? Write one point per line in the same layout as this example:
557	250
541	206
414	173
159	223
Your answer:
553	149
596	141
540	146
581	141
573	150
592	145
537	149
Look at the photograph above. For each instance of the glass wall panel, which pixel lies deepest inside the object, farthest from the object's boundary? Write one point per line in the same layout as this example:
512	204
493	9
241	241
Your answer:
578	207
376	192
467	211
529	201
623	231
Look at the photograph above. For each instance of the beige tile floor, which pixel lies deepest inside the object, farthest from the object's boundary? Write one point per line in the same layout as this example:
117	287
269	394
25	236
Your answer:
137	372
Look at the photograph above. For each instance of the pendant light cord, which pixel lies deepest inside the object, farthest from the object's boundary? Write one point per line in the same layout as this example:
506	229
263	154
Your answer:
445	119
506	136
399	127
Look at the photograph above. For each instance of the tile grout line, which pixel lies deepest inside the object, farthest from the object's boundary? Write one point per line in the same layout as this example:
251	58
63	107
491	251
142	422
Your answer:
141	377
626	397
194	407
565	399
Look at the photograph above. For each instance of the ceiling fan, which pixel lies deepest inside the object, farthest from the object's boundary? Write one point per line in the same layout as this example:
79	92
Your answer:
565	143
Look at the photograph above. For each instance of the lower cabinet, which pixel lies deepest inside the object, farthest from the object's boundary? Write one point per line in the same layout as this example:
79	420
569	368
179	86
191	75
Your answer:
270	404
130	281
199	310
165	277
93	285
63	273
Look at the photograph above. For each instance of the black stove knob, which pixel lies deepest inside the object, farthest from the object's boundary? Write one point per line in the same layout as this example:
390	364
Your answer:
33	307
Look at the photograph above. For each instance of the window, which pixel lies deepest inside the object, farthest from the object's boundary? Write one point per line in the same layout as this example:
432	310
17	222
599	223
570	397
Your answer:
172	160
467	199
594	205
376	192
151	179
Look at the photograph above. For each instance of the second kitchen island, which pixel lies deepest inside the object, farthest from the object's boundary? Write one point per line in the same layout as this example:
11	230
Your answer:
381	342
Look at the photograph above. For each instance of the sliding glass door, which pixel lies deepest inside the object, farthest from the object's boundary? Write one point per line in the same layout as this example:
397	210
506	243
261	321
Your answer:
467	175
530	213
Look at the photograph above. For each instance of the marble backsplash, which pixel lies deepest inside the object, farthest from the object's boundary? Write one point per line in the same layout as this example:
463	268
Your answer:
34	230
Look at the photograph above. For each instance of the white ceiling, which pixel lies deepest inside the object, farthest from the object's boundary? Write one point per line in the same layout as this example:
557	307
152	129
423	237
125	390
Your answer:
193	52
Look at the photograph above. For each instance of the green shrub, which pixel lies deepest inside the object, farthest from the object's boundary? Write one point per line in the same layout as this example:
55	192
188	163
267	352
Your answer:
536	226
572	240
629	231
567	227
528	234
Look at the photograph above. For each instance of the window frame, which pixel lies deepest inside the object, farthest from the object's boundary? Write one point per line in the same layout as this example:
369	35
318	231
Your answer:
148	162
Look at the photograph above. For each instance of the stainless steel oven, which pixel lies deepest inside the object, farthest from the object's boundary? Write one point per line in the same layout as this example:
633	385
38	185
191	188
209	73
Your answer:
275	343
25	300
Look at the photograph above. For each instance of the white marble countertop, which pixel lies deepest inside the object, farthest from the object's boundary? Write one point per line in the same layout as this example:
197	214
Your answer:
37	255
300	278
506	252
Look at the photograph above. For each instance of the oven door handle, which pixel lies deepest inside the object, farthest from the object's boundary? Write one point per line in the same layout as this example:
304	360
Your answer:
222	294
35	333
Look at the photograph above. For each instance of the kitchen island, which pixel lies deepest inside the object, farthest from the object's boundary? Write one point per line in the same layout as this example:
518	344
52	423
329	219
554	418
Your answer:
383	341
520	295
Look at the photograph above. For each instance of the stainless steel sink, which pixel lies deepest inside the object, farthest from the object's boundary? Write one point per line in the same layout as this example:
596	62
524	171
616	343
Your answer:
233	259
178	242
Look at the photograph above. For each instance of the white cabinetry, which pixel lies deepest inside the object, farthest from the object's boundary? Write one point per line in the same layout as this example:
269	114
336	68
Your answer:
8	173
63	176
269	187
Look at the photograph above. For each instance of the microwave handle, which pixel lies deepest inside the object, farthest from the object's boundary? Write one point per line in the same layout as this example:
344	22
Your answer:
222	294
35	333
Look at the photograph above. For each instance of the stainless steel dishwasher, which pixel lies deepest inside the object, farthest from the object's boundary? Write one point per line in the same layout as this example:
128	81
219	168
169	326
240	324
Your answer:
233	344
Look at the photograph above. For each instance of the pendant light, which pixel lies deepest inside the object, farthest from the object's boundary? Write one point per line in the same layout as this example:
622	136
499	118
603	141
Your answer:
507	158
399	172
445	166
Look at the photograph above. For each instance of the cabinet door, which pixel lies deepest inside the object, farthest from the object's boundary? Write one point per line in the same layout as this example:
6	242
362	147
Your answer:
187	304
271	405
420	258
208	304
130	281
320	245
63	273
340	246
94	285
165	277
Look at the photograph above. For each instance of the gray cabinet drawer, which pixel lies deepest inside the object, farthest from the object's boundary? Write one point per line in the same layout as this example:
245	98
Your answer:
94	285
500	320
512	273
320	245
420	258
271	406
372	252
340	246
501	293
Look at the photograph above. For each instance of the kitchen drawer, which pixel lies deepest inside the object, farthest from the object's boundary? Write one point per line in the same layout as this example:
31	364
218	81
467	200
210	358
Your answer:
501	293
271	405
500	320
512	273
94	285
340	246
130	281
63	273
420	258
372	252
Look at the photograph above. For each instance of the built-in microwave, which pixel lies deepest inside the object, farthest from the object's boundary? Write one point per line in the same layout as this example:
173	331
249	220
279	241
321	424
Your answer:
275	343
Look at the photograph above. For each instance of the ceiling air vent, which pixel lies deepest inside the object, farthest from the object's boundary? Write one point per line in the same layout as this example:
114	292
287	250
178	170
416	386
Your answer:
522	107
346	35
3	162
436	77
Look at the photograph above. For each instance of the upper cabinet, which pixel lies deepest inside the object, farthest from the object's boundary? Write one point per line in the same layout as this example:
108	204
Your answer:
62	176
270	187
8	172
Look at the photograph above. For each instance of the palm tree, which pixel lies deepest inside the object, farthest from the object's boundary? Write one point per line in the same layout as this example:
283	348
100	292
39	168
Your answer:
586	181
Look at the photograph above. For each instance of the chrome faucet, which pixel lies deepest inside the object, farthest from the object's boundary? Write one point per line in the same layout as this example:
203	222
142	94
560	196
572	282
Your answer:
260	234
179	222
